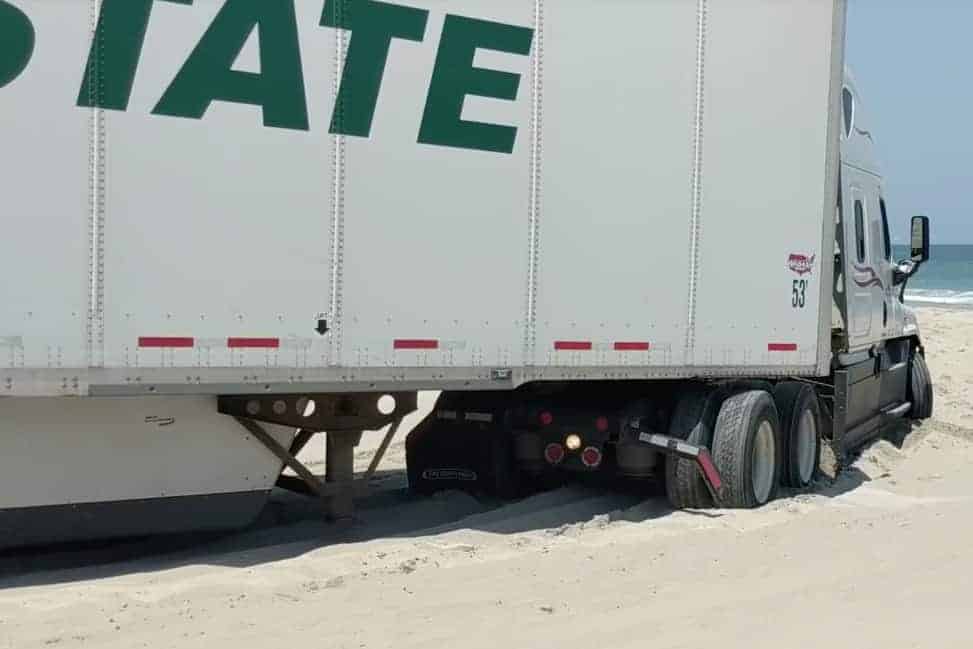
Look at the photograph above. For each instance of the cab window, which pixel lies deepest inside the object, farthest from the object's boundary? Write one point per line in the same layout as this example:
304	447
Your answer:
885	230
848	110
860	231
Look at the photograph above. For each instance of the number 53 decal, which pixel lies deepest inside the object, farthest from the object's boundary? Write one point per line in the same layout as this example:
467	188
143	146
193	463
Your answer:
798	293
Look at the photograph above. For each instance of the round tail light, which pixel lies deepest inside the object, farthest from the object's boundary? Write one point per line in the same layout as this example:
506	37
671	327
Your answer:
546	418
591	457
554	453
601	424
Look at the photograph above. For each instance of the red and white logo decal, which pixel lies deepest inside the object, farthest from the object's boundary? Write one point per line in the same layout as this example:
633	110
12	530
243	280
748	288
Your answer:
801	264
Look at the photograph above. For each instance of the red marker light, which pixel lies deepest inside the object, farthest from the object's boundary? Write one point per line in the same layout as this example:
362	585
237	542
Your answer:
546	418
601	424
554	453
591	457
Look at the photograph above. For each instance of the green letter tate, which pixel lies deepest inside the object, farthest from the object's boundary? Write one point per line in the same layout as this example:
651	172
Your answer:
115	51
454	77
373	25
208	74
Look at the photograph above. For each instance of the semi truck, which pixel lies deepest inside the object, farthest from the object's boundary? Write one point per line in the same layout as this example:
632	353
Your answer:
637	238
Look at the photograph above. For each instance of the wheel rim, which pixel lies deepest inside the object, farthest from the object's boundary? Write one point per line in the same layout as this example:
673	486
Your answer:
762	462
807	439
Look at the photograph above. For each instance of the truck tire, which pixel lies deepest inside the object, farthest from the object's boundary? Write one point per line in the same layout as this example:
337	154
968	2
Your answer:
684	486
747	449
930	392
800	423
920	388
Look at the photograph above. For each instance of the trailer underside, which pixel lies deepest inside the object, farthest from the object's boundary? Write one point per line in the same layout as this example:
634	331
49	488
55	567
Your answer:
74	469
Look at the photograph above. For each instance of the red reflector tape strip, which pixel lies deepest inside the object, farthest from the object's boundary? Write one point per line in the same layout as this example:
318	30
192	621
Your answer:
165	342
782	347
253	343
572	346
632	347
415	344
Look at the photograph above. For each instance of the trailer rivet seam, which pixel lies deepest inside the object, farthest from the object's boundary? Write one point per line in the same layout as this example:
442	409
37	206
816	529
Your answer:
338	199
534	203
697	180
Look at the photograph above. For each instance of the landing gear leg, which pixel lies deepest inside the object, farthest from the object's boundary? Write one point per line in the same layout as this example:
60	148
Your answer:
340	474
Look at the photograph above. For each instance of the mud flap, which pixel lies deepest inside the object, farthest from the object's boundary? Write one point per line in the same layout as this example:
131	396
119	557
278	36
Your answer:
463	444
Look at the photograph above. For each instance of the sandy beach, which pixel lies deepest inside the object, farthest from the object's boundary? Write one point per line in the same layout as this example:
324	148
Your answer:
878	558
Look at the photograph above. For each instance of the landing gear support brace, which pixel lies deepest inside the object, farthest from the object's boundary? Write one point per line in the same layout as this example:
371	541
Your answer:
341	418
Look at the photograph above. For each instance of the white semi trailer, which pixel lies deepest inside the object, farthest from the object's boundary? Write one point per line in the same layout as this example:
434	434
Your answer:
642	237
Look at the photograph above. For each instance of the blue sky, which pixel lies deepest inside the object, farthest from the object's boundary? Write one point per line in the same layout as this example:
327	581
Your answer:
912	60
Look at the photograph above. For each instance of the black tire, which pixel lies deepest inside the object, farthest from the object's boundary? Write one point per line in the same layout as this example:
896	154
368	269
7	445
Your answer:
930	392
684	486
920	391
739	426
796	401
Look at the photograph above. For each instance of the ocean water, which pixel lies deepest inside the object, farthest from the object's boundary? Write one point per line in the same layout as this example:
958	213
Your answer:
946	279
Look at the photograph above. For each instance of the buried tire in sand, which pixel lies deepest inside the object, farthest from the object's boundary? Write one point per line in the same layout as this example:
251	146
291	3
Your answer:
920	391
685	488
800	420
747	449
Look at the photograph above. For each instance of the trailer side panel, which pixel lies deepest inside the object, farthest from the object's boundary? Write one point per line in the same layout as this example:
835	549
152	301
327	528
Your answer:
255	196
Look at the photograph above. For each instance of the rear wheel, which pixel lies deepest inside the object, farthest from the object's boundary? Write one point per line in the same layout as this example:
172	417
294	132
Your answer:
800	419
747	449
684	486
920	388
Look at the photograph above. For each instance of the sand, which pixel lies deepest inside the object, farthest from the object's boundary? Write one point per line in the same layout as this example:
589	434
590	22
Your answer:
878	559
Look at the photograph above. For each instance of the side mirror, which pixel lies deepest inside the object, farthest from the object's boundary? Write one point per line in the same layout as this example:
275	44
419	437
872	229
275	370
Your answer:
920	239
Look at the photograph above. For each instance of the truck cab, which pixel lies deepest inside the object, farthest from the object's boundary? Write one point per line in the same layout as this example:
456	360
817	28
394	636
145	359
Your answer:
868	286
876	341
